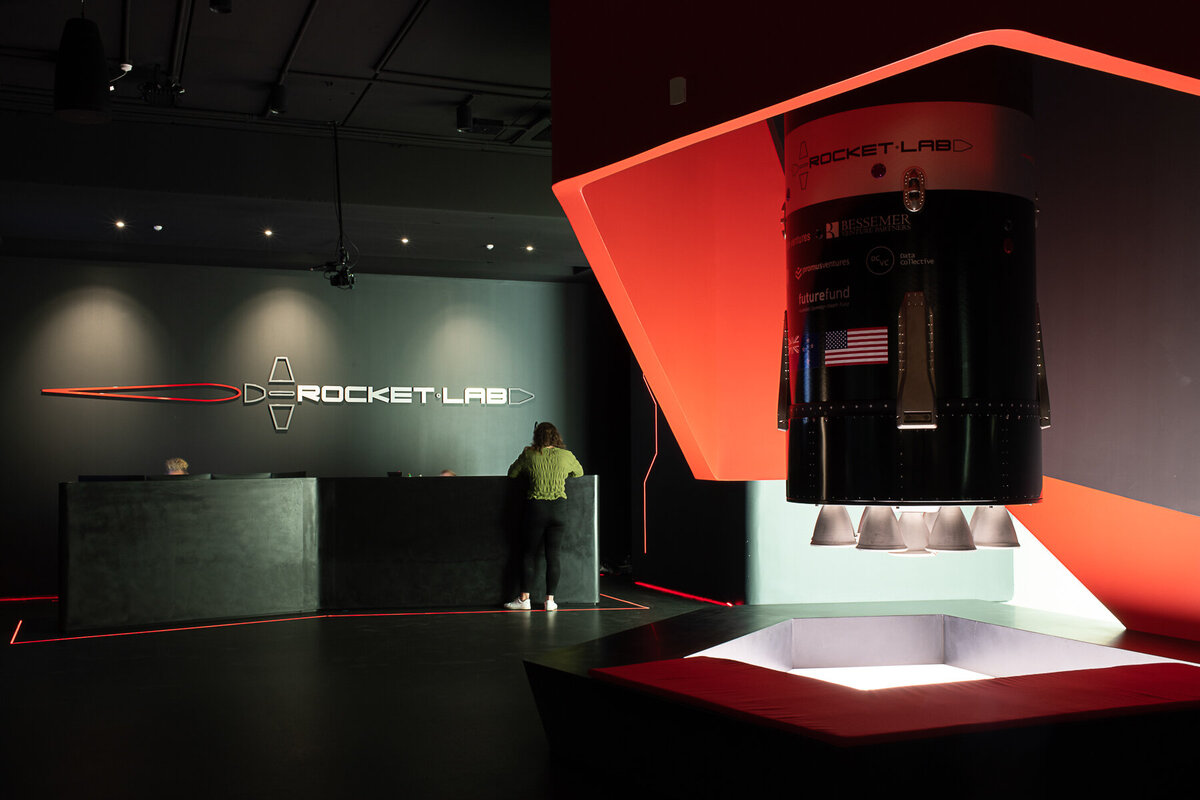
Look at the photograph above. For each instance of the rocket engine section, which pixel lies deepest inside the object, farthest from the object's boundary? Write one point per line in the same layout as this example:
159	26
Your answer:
913	341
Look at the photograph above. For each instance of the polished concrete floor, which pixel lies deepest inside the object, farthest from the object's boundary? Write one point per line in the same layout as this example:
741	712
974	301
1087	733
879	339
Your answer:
416	705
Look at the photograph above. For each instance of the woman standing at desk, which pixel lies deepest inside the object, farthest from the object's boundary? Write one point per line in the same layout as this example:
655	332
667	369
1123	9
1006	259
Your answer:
546	464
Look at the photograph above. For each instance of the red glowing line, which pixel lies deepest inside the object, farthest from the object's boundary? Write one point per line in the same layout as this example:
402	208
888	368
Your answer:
117	392
646	480
630	607
489	611
164	630
683	594
619	600
27	599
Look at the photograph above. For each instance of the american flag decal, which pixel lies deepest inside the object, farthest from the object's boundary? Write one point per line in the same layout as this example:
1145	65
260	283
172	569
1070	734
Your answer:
856	346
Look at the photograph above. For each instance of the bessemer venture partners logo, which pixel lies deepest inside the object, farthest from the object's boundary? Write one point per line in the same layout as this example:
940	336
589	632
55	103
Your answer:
283	394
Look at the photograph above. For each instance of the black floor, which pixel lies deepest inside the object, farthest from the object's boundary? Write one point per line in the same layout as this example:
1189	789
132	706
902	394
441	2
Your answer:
419	706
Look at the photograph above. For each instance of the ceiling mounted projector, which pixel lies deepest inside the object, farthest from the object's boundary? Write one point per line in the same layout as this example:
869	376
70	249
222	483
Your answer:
340	273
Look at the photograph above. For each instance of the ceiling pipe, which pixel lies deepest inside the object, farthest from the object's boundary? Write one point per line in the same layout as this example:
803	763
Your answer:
405	28
447	84
183	29
277	100
125	15
528	133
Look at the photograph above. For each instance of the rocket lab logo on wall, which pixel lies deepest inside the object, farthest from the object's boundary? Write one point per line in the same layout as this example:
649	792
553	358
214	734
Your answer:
283	388
284	394
800	169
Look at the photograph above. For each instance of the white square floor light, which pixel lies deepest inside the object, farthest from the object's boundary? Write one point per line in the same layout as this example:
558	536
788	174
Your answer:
888	677
884	652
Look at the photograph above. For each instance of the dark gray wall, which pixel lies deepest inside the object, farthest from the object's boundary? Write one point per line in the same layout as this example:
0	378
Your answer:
78	324
1119	284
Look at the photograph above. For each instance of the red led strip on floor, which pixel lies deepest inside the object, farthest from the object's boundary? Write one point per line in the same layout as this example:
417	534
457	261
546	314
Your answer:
53	597
629	606
683	594
619	600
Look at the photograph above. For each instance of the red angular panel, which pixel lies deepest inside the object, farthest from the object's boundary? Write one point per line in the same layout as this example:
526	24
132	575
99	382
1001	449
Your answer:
685	241
1140	560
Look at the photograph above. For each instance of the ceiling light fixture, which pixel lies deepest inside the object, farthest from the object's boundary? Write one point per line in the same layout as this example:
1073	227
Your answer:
403	240
464	117
268	232
158	227
125	70
529	248
277	103
81	75
467	122
490	246
119	223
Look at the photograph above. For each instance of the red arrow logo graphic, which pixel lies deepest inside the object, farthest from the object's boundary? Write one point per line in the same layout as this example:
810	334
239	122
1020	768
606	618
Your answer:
125	392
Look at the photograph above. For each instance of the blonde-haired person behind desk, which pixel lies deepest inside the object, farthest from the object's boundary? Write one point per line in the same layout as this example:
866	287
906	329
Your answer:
546	464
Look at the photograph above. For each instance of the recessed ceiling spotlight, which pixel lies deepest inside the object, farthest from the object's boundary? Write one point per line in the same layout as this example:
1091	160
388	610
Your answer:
403	240
158	227
120	223
529	248
268	232
490	246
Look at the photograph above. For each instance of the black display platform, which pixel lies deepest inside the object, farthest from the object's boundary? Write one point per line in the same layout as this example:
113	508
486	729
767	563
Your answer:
681	750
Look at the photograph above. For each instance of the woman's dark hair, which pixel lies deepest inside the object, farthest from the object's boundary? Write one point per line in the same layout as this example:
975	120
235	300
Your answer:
546	435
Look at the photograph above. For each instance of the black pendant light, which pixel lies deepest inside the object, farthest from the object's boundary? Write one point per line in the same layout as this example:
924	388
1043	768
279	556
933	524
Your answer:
81	76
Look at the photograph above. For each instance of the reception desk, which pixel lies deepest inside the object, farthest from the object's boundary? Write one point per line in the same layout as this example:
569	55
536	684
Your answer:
416	542
146	552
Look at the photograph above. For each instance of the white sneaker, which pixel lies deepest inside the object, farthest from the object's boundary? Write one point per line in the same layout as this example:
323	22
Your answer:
551	605
518	605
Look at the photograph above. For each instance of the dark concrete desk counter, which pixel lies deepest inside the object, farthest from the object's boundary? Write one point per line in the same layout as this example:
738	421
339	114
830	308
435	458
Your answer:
421	542
147	552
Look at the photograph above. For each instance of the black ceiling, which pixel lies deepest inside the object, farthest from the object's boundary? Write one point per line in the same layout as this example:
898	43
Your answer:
213	167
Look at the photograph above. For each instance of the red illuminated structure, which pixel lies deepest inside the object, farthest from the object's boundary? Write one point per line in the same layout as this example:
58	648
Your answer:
679	216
